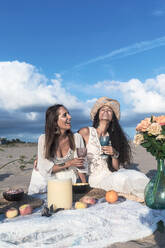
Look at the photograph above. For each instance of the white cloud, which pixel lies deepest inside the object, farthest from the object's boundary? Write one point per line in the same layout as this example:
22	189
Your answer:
108	85
92	101
126	51
88	105
147	97
23	86
31	116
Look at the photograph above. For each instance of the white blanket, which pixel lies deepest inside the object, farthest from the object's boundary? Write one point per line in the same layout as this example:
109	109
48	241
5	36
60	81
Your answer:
97	226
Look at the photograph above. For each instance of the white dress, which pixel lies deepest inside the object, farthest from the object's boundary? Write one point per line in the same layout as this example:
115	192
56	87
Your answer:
40	177
123	180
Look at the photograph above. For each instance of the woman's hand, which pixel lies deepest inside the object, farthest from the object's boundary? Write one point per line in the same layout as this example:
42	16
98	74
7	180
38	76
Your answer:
76	162
35	164
109	150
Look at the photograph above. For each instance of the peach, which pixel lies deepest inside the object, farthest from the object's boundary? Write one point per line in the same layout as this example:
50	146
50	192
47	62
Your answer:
11	213
25	209
111	196
80	205
88	200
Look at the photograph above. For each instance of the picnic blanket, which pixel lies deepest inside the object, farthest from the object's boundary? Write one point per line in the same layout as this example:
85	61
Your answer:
97	226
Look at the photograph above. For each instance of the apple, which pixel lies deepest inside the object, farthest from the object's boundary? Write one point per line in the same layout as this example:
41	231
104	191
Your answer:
25	209
88	200
11	213
79	205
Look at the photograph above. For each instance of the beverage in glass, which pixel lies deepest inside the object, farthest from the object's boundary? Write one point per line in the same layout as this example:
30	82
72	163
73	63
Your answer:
104	141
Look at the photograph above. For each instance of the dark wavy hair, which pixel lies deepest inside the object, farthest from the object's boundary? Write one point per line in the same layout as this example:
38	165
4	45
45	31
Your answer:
118	140
52	131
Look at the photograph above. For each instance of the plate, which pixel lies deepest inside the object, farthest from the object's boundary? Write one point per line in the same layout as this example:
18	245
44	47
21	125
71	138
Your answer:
13	195
80	187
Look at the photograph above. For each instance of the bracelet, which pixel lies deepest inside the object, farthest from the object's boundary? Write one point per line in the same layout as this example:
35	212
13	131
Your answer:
116	155
63	164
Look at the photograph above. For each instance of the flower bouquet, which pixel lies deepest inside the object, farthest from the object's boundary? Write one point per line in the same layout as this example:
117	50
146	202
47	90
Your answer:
151	135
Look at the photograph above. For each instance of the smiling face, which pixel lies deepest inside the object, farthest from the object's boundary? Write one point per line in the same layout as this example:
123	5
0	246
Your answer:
105	113
64	119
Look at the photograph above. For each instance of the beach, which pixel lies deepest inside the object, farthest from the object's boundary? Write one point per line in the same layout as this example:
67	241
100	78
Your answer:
16	163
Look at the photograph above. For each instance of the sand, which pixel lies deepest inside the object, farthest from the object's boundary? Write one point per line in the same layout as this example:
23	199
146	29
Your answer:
20	159
16	163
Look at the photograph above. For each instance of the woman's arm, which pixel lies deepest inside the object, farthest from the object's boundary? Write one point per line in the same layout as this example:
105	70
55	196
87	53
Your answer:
44	165
109	150
115	163
76	162
82	177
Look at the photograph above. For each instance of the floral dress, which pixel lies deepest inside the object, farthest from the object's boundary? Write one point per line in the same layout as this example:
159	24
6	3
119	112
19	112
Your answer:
123	180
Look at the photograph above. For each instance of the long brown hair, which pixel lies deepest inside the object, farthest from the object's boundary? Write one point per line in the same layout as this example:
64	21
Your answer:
118	141
52	131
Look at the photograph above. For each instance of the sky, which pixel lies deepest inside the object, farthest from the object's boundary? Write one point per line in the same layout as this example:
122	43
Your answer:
74	51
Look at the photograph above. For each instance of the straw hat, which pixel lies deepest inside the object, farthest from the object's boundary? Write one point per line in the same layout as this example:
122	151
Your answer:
105	101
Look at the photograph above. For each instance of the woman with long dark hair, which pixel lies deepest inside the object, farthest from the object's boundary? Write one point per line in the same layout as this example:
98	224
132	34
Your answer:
105	171
57	155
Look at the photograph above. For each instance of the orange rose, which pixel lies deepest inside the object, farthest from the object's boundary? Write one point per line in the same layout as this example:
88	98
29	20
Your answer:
160	119
143	125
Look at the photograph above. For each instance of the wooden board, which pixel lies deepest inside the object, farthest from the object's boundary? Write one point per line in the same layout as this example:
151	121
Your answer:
100	193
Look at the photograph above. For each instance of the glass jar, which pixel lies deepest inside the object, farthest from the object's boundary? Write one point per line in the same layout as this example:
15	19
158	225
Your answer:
155	190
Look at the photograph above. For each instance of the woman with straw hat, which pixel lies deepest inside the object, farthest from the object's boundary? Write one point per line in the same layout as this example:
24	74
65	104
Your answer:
105	173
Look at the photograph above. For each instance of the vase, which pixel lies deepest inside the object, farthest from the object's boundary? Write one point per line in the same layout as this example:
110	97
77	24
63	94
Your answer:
154	193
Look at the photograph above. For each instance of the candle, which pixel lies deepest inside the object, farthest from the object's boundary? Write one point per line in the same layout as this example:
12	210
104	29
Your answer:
60	193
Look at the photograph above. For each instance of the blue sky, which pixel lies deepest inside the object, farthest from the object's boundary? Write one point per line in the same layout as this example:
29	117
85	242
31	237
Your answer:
75	51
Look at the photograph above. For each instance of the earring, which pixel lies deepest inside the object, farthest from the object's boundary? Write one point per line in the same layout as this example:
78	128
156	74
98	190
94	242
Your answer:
57	131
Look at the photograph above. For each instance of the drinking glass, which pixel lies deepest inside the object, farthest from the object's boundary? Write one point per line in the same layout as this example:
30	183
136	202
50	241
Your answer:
82	153
104	141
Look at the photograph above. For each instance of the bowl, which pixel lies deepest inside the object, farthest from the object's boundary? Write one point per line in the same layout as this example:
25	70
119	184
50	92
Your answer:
80	188
13	194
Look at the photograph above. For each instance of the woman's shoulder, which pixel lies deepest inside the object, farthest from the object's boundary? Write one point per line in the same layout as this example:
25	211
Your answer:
84	131
41	138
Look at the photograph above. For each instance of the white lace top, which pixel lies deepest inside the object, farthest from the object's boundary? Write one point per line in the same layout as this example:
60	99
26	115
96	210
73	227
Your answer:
123	180
45	166
40	177
96	163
